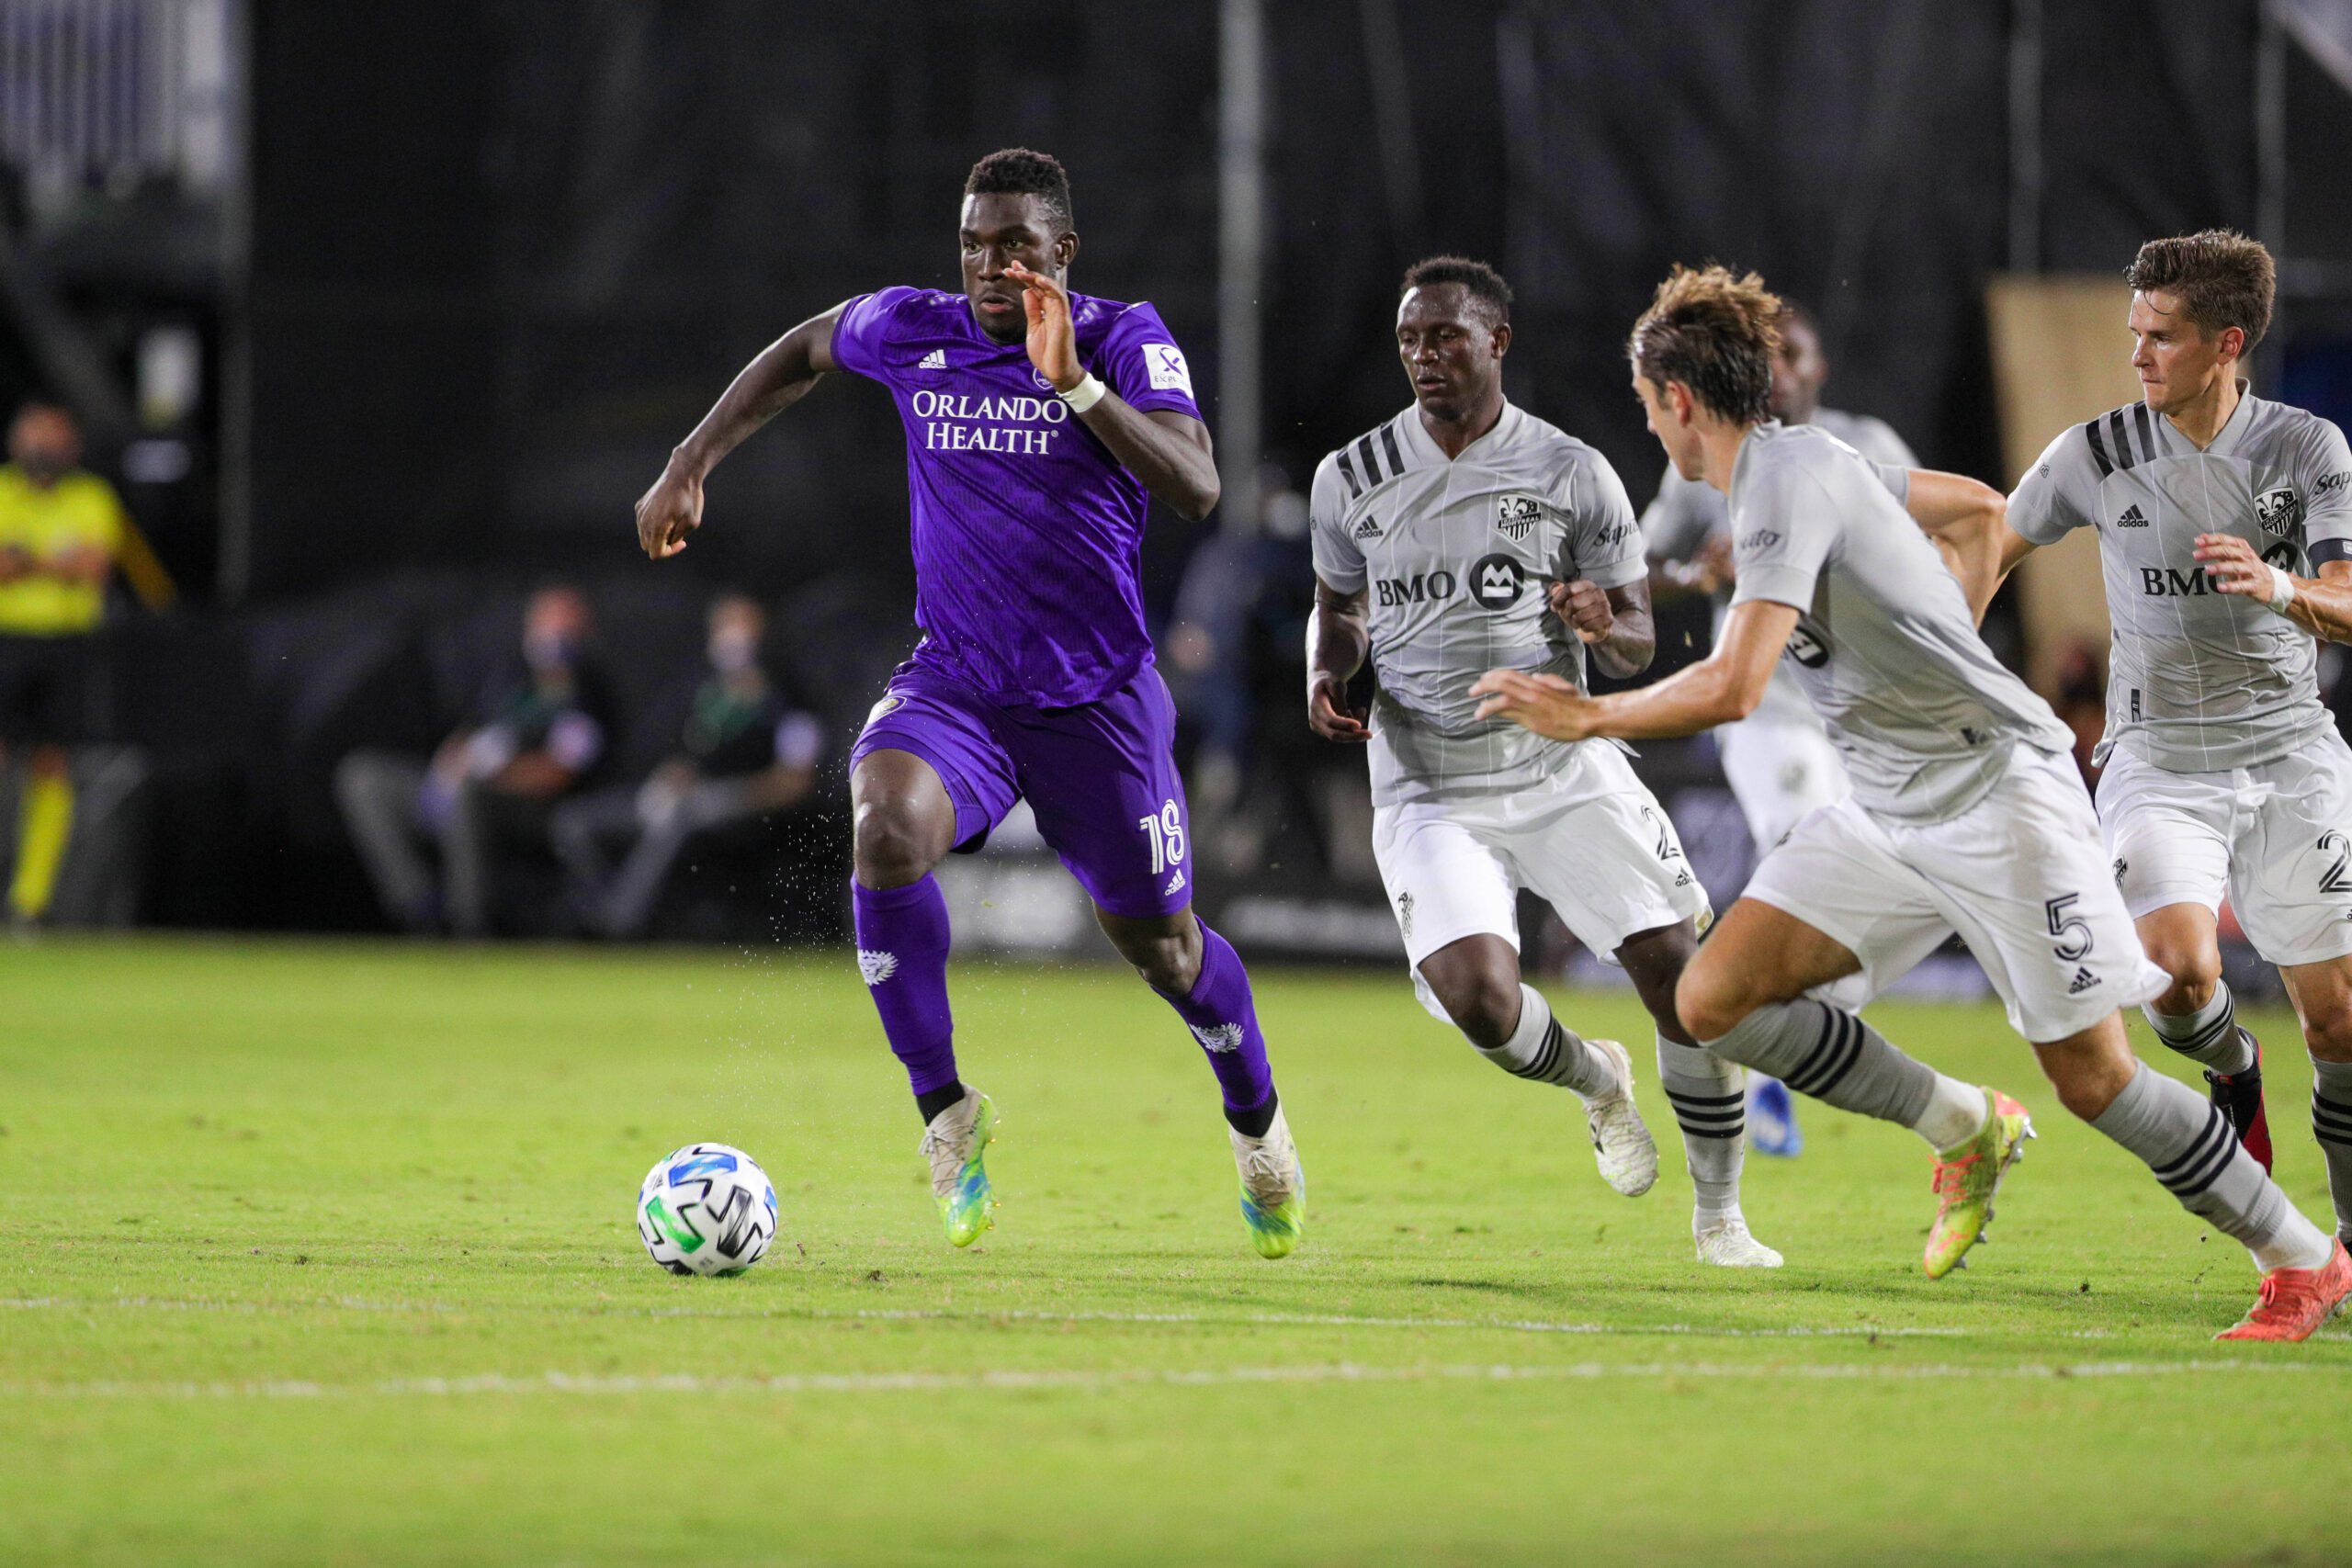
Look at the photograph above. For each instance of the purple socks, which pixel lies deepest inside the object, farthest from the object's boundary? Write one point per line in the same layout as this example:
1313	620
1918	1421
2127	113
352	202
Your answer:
902	953
1224	1020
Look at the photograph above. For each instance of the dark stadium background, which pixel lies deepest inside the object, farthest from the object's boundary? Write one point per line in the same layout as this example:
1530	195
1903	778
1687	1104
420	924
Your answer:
491	260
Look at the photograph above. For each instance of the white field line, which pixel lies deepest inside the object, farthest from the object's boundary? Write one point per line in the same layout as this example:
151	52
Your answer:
930	1382
920	1314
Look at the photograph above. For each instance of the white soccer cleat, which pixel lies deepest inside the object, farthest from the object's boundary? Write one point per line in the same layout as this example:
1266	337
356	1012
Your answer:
1727	1244
1274	1187
1623	1147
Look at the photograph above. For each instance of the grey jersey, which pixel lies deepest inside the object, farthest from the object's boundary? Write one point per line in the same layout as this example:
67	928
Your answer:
2199	681
1686	513
1453	556
1884	647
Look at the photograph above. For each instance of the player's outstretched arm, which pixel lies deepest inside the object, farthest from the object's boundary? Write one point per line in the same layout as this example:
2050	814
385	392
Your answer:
1969	522
1338	638
1168	451
1725	686
2321	605
778	377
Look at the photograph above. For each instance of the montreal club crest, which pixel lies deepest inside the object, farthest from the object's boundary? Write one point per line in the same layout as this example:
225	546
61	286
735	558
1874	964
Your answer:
2279	511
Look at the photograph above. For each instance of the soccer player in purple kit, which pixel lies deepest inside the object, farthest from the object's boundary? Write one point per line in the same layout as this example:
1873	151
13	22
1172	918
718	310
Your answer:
1039	422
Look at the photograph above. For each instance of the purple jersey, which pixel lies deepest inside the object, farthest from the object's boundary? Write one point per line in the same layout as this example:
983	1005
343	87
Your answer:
1027	532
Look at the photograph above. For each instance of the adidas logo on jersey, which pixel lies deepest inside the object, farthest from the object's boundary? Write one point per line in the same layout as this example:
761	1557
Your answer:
1175	885
2084	981
2132	518
935	360
1367	529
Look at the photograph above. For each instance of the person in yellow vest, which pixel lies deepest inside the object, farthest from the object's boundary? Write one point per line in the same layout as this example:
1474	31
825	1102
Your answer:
62	532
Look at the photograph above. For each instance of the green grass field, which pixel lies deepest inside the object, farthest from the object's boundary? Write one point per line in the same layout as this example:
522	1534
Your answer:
324	1254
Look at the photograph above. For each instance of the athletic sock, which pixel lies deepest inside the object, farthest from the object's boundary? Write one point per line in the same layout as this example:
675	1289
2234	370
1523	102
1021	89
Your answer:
2331	1125
45	823
2210	1036
902	953
1223	1017
2189	1145
1710	1105
1541	1050
1833	1056
930	1102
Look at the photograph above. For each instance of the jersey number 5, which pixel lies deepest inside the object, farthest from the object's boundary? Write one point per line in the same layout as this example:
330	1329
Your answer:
2074	932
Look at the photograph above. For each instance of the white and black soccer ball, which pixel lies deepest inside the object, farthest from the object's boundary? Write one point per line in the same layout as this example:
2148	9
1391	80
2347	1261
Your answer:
706	1208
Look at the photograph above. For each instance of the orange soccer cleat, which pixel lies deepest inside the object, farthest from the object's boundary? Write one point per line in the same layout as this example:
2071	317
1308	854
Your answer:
2294	1301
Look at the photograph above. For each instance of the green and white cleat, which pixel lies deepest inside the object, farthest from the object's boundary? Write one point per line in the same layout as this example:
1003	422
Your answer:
1967	1176
1274	1187
953	1143
1727	1244
1622	1144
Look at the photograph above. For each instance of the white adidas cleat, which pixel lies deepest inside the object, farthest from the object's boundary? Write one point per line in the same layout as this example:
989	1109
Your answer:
1623	1147
1727	1244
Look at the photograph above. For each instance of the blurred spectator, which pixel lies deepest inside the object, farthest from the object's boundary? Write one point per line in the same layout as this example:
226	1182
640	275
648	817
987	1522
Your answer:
748	749
2081	702
62	534
490	787
1240	599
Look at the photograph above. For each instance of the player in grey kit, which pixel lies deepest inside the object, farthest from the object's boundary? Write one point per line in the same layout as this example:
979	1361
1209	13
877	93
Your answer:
1966	815
2224	771
1778	761
1462	534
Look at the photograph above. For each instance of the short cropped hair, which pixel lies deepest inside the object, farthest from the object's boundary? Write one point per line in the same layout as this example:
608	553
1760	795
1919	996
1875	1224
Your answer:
2221	277
1481	282
1019	170
1715	333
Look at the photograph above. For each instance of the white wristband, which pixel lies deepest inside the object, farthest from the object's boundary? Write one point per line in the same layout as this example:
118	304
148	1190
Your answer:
1085	395
2282	591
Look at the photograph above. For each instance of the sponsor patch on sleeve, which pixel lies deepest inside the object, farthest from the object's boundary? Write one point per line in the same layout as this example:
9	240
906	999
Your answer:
1164	362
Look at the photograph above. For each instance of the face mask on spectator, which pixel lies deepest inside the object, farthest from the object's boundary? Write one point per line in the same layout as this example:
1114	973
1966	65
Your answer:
549	650
44	465
732	653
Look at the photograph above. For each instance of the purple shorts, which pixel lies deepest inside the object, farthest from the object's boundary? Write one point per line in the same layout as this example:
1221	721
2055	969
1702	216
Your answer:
1100	778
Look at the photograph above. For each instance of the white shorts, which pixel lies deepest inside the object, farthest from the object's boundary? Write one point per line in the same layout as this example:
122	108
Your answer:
2276	837
1591	842
2019	876
1780	771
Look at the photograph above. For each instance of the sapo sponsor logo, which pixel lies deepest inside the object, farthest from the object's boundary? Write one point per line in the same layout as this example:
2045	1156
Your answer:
1761	539
2328	484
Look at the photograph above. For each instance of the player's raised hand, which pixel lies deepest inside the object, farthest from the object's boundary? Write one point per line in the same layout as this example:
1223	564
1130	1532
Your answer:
2234	566
1329	713
668	513
1544	703
1053	341
1584	605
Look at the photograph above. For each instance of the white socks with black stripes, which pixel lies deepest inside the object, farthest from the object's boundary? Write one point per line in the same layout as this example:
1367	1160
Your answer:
1706	1092
1539	1049
2210	1036
2193	1151
1833	1056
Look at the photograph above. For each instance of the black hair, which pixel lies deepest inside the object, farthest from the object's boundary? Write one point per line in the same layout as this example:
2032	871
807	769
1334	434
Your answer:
1481	282
1019	170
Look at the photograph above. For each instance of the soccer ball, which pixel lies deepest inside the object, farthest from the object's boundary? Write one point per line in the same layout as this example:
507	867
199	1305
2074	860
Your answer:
706	1208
